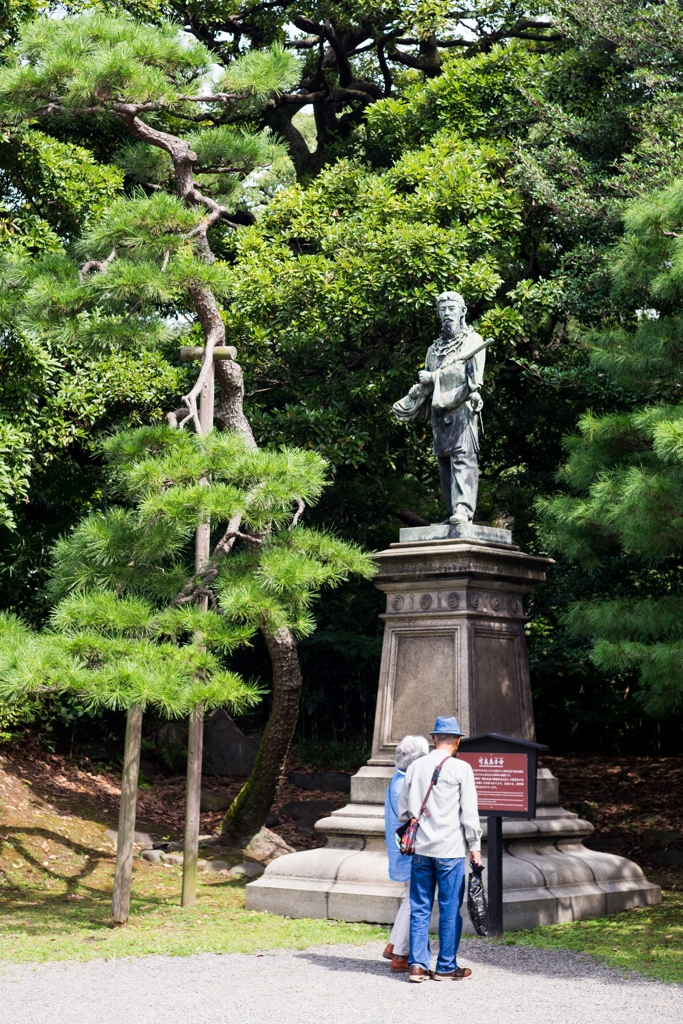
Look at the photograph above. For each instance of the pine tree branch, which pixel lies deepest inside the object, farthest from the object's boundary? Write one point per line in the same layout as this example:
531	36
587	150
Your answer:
384	67
196	592
173	417
297	515
199	585
184	161
232	534
304	44
99	265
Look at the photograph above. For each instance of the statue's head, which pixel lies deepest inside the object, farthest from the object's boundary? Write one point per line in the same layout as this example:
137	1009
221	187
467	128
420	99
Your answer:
451	309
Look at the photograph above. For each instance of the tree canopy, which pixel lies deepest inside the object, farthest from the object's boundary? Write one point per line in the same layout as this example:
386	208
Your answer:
623	474
499	161
124	624
91	336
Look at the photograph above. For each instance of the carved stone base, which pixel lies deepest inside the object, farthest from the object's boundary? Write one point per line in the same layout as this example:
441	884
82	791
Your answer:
454	636
453	644
548	875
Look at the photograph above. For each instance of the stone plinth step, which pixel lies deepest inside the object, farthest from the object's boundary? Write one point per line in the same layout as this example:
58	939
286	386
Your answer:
464	531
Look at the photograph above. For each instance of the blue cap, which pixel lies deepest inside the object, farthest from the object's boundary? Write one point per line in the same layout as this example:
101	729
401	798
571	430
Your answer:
447	725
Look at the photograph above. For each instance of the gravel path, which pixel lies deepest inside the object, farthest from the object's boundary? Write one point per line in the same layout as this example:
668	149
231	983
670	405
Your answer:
333	985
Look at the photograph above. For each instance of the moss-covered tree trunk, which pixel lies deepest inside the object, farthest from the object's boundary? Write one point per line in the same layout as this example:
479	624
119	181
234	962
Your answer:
248	811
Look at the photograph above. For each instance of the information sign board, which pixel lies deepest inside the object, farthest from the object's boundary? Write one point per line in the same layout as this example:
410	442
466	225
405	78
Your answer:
505	776
502	781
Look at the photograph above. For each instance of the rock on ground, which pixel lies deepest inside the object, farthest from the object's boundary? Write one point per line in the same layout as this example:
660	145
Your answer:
267	846
248	870
335	985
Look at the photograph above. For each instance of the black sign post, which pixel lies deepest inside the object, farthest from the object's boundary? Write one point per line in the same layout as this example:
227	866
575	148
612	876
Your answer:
505	776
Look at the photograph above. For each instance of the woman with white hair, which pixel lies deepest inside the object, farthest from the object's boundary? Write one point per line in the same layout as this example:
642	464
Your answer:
407	751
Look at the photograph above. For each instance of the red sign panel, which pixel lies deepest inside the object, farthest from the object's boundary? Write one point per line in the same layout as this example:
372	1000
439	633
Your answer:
501	781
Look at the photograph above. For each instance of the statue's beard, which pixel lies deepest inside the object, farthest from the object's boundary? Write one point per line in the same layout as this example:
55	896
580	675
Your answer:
450	329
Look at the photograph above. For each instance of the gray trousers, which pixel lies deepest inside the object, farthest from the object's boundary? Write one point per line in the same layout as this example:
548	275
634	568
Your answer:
400	933
459	482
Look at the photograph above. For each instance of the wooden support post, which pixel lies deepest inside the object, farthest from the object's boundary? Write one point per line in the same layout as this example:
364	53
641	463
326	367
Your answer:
190	352
203	535
195	744
129	791
192	805
494	844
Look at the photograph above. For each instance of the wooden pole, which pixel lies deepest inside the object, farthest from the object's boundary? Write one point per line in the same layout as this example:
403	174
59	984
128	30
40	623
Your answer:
129	791
494	846
193	792
192	805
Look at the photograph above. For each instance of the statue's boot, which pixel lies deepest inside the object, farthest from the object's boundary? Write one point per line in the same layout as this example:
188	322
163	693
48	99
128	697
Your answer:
459	517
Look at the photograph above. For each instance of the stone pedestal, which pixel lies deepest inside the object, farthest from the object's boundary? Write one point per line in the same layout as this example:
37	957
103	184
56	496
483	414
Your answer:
453	644
454	636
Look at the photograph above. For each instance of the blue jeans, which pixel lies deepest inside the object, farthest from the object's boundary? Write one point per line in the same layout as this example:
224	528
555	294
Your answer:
449	874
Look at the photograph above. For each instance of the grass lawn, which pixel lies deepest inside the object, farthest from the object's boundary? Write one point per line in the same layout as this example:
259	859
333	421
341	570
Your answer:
36	926
56	879
648	940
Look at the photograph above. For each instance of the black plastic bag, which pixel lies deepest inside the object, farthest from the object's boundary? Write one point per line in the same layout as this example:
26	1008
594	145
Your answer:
476	900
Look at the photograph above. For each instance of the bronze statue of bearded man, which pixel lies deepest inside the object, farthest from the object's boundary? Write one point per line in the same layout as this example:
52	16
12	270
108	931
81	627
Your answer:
448	392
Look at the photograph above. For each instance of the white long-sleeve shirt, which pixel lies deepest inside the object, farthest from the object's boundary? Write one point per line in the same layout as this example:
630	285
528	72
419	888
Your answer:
452	826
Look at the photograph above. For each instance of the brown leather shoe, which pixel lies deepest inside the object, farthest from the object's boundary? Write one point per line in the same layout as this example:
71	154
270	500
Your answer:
389	951
462	972
399	963
417	973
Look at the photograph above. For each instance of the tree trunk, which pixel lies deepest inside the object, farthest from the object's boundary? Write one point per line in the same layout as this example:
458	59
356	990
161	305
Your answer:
129	792
229	413
248	811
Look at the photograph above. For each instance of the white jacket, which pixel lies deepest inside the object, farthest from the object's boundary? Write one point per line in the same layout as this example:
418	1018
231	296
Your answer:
452	825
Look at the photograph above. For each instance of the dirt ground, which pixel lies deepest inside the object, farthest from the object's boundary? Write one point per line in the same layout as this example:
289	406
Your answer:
81	787
628	800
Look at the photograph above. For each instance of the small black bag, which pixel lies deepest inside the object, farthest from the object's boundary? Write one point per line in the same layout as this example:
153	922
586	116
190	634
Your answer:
476	900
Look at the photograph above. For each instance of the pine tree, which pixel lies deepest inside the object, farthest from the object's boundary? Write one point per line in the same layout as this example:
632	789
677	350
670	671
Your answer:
80	352
126	629
146	262
150	250
624	473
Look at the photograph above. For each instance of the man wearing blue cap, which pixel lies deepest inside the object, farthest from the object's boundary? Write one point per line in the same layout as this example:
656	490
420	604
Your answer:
448	828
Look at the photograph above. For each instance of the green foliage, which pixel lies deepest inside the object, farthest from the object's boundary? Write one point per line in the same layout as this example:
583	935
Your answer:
71	366
125	627
99	62
79	63
624	475
15	463
540	143
13	12
354	60
108	669
114	319
260	74
275	586
62	184
505	176
336	286
502	177
484	97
